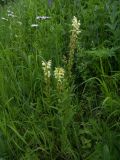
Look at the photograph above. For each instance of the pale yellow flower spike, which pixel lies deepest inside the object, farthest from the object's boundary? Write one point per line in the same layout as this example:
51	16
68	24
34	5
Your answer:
59	74
46	66
73	41
76	25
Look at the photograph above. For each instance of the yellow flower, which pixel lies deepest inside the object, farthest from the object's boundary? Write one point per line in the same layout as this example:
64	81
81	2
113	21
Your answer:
59	74
46	66
73	43
76	25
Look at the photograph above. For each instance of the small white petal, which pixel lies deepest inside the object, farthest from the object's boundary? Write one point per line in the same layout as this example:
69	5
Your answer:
34	25
20	23
11	15
42	17
4	19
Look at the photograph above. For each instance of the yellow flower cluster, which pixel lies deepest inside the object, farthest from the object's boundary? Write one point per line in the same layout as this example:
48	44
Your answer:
46	66
59	74
73	42
76	25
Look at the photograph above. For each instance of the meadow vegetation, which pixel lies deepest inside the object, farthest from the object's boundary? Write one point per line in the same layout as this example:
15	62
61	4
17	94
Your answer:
60	80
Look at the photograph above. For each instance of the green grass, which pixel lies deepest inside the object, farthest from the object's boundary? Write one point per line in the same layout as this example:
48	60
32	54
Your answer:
39	121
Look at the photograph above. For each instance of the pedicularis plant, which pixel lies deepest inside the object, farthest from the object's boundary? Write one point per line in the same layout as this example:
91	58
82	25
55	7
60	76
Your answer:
53	108
73	42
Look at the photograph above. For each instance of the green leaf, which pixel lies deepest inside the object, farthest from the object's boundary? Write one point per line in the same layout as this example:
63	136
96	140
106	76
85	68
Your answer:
106	152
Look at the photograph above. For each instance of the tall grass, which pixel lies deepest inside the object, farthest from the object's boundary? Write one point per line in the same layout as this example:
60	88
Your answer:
78	116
